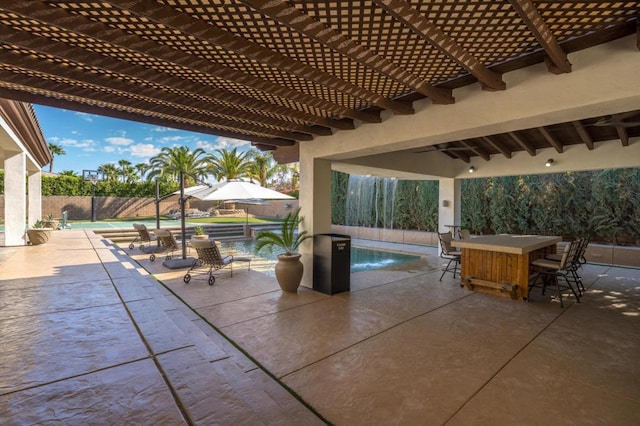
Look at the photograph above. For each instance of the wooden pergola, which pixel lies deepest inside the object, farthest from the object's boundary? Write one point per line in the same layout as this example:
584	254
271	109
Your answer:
280	72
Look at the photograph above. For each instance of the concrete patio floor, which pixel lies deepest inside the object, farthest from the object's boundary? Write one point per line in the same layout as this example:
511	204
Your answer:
90	337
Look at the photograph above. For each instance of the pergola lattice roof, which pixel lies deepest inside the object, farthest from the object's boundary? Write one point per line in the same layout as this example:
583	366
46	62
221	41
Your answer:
275	72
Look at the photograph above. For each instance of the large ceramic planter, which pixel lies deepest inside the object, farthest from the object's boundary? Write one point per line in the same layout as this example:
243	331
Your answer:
200	237
38	236
289	272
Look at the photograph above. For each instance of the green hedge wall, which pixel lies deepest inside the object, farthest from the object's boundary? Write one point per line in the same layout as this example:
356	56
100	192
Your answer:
603	204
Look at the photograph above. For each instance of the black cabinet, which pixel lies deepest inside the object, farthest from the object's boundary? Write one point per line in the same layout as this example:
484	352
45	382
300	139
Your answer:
331	263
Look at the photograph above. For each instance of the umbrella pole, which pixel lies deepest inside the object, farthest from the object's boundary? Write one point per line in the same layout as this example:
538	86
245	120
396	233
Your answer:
182	217
184	262
158	208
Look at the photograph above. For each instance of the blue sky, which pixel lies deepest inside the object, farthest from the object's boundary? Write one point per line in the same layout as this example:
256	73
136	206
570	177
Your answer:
93	140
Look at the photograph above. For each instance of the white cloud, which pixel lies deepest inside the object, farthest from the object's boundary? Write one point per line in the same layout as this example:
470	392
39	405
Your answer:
84	116
144	150
74	143
119	140
109	149
221	143
174	139
161	129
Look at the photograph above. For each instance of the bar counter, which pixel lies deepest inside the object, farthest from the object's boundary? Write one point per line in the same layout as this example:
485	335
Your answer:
499	264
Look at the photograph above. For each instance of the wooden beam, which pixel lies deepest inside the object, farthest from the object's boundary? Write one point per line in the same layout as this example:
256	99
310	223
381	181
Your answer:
497	146
527	147
457	155
208	33
623	135
310	27
101	89
477	150
536	24
552	140
430	32
145	53
89	106
584	136
134	87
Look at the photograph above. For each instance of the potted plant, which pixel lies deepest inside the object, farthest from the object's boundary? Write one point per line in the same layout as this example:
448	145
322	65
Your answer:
198	233
50	222
288	269
38	234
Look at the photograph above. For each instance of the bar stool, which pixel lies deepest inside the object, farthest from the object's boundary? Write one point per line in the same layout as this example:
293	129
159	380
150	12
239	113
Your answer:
551	270
448	253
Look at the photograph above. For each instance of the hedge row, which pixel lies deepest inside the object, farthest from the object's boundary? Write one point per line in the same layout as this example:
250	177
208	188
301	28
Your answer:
603	204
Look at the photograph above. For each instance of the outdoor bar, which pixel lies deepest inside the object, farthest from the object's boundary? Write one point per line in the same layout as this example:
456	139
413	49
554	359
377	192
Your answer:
499	264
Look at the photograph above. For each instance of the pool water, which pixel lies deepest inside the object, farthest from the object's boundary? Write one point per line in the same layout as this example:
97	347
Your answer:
362	259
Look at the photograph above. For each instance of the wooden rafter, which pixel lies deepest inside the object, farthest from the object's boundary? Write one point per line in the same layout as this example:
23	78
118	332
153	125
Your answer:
47	82
523	144
552	140
536	24
324	34
140	47
432	34
582	133
136	88
85	105
458	155
623	135
477	150
497	146
203	31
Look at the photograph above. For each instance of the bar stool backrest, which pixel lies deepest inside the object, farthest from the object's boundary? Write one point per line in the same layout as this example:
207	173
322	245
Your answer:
445	243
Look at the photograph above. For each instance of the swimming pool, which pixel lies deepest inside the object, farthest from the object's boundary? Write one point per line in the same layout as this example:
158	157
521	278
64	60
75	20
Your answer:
362	259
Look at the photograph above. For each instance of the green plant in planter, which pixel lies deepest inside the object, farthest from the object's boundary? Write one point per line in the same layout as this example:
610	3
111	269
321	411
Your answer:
49	218
289	269
198	230
38	225
288	239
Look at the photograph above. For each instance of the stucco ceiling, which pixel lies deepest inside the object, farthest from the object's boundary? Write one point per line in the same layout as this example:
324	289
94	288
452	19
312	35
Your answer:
276	72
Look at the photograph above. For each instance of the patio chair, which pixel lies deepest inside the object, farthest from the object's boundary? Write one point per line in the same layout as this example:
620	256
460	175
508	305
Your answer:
552	271
209	256
448	253
464	234
143	236
575	263
168	244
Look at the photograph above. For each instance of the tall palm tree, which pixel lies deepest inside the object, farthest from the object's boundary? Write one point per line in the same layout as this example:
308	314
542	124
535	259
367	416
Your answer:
262	167
141	168
55	150
125	168
229	164
70	173
110	171
171	161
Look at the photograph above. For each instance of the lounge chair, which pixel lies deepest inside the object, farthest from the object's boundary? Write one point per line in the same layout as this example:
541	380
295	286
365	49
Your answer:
209	256
168	244
143	236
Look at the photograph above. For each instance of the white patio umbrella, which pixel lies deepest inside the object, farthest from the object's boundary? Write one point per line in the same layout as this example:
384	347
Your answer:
234	190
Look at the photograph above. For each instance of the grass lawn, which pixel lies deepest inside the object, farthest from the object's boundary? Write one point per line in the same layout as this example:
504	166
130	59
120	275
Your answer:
212	219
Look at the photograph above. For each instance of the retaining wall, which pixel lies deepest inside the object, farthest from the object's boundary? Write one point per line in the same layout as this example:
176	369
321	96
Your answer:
596	253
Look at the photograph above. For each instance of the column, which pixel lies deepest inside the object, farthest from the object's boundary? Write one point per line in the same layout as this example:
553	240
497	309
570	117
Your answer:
15	199
449	203
315	203
34	212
